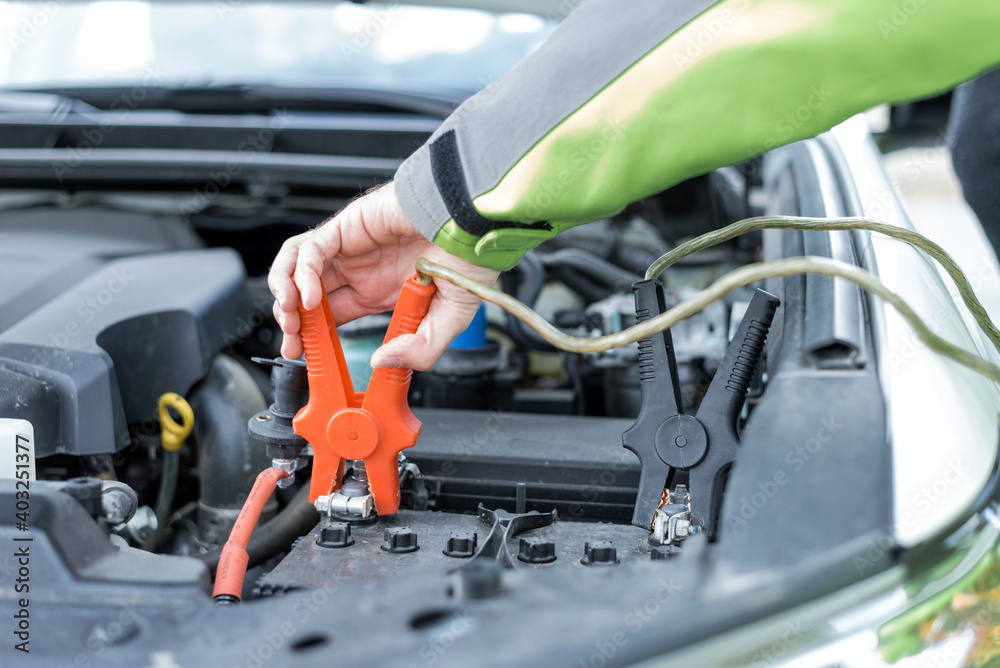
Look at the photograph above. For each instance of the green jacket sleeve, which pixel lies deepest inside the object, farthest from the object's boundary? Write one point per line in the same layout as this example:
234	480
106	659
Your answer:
626	99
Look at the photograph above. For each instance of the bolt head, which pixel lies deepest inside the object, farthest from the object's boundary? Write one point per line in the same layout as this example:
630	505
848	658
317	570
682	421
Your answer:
322	504
143	523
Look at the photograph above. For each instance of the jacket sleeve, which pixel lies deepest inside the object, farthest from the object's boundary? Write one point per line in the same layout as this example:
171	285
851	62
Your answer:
626	99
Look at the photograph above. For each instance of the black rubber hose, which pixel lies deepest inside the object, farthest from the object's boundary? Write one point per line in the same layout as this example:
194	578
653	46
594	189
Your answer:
611	275
276	535
627	256
576	267
532	274
582	284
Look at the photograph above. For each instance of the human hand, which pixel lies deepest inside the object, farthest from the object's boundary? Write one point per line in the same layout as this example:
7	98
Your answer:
359	259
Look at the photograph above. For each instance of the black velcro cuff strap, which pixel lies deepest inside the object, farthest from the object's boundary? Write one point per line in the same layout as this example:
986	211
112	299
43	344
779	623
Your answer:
449	177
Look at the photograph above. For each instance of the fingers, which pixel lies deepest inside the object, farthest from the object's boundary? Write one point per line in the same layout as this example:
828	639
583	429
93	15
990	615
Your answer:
444	321
279	278
344	305
308	273
291	346
288	321
296	277
451	311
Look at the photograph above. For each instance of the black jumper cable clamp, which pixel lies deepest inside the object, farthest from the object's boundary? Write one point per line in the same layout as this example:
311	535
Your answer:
705	444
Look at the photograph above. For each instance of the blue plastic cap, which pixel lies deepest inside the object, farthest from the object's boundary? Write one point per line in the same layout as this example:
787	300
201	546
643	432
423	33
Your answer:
474	335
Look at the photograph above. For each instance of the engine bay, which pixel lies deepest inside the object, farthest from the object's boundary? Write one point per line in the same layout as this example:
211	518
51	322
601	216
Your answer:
520	465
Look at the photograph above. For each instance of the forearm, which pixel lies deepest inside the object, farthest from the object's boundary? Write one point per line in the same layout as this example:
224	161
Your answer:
611	109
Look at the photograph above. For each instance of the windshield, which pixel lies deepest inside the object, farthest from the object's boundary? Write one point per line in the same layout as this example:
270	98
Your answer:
57	43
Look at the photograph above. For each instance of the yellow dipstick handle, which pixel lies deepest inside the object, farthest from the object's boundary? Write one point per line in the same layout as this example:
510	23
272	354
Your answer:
172	434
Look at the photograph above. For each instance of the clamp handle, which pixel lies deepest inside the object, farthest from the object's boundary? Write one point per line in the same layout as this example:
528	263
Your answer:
386	400
660	398
342	424
720	410
330	391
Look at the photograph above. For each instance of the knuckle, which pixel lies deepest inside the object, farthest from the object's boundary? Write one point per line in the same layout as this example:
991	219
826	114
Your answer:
290	244
309	257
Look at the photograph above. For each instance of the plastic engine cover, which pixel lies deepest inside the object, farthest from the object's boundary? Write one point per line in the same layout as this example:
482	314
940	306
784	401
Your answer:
96	357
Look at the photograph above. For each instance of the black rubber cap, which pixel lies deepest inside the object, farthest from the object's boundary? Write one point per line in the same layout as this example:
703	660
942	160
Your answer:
599	553
536	550
399	540
481	579
461	545
664	552
336	534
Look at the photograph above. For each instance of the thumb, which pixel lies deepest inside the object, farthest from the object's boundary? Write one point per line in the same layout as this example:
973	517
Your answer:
443	322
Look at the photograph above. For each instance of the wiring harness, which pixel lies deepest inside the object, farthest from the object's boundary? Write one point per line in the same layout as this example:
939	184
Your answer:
753	273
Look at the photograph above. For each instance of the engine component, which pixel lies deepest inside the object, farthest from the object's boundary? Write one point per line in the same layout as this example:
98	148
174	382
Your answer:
113	504
748	275
343	425
274	426
86	492
142	526
228	455
275	536
531	272
664	438
71	548
172	437
464	377
113	343
699	345
590	264
119	502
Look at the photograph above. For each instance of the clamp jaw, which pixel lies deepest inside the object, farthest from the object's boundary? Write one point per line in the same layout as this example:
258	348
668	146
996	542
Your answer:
704	444
341	424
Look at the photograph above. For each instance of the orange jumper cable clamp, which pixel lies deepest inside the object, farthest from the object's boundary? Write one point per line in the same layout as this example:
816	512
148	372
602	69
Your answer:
341	424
